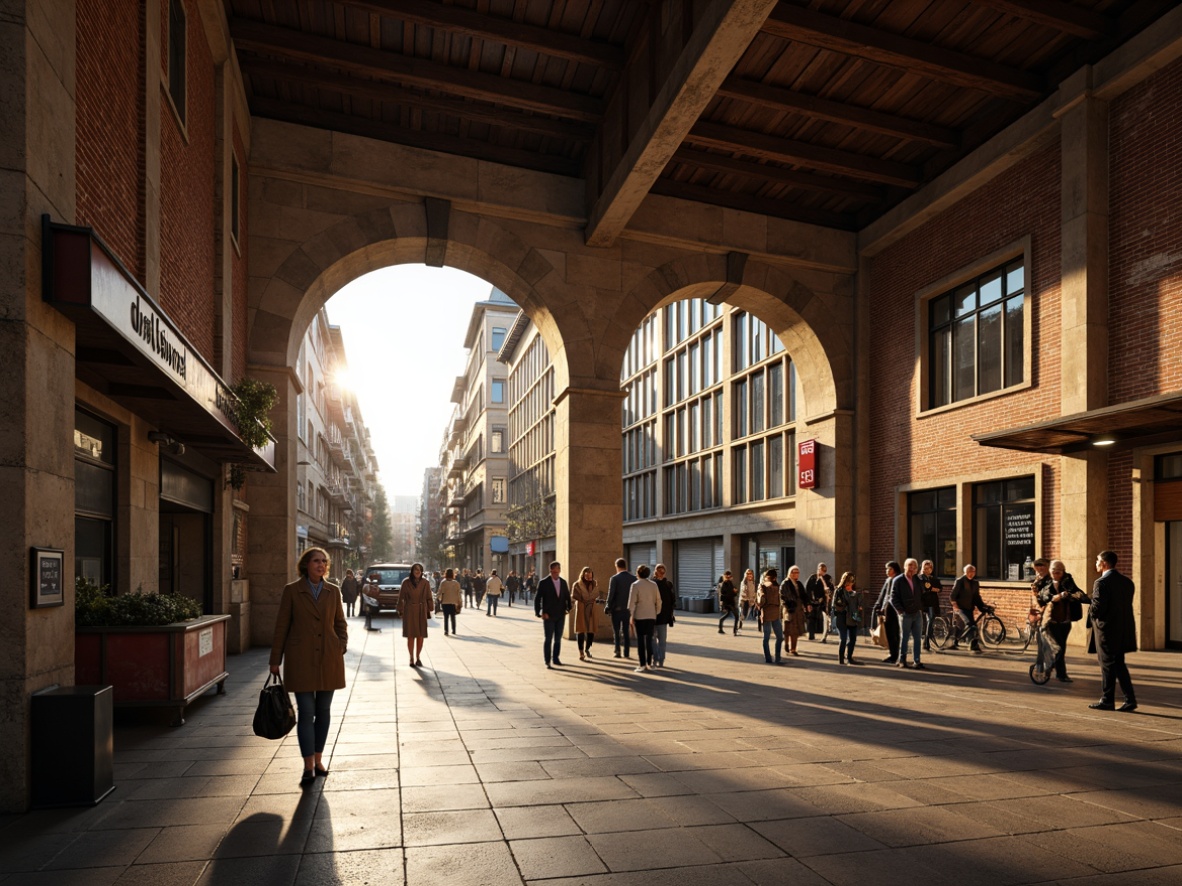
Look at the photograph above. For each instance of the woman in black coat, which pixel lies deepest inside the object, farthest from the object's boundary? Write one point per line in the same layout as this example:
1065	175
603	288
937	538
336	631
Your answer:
929	599
1056	598
728	601
665	617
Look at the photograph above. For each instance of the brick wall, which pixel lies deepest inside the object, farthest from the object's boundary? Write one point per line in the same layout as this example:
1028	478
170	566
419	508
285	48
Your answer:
187	197
1023	201
1145	236
109	153
239	318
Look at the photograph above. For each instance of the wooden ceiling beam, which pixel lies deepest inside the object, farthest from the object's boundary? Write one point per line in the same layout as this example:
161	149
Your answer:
290	112
396	95
389	67
783	150
661	94
779	175
779	98
915	56
745	202
1056	15
469	23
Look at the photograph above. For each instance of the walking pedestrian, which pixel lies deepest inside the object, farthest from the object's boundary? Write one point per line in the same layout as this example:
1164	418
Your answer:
583	595
369	601
310	640
728	603
768	604
414	603
512	586
748	591
818	591
644	602
349	592
883	610
1060	602
450	600
551	604
619	588
665	619
929	598
846	614
1114	633
907	602
479	587
792	597
466	585
492	592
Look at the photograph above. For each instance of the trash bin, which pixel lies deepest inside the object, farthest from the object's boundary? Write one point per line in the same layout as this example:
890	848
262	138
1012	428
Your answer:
73	745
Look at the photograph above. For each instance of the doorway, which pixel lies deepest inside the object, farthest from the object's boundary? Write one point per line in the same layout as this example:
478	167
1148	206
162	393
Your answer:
1173	589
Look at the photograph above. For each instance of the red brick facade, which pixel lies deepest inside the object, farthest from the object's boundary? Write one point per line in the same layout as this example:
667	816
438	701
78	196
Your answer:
1145	233
187	195
1022	202
239	319
109	145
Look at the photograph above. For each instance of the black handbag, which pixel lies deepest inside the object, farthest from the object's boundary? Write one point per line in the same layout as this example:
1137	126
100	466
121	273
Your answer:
275	716
1075	609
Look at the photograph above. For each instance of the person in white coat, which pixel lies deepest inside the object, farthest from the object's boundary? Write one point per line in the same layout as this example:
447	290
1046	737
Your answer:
644	602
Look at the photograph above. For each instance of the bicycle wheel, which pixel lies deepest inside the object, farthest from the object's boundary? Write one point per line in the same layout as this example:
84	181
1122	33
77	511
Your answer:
1039	676
941	631
993	632
1027	633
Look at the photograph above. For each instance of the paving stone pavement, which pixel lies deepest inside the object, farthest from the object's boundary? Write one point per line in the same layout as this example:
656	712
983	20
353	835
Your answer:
485	768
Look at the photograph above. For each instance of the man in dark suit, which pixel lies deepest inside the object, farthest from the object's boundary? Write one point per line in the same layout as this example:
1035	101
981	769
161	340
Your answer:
617	606
906	600
1114	632
966	598
551	604
819	591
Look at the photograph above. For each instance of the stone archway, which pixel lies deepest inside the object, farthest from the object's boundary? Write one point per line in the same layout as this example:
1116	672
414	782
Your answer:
817	331
303	275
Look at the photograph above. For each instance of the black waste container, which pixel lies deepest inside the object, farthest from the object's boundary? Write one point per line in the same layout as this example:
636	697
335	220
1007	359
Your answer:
73	745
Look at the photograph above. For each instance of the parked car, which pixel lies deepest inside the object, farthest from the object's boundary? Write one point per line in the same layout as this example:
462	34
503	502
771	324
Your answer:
390	578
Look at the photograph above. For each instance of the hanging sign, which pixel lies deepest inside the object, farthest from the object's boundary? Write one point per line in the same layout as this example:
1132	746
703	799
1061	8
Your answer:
807	459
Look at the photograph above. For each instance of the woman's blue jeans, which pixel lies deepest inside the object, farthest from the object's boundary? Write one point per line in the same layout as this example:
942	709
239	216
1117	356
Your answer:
849	639
449	617
661	638
770	625
313	720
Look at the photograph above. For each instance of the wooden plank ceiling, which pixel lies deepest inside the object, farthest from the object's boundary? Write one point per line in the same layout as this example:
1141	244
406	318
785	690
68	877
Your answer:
824	111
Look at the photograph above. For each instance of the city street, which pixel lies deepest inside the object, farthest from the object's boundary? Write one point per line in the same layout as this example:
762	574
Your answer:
484	768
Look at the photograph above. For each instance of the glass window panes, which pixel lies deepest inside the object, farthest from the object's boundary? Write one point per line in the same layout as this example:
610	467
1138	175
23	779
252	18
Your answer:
1168	467
976	337
775	458
1003	516
932	528
498	338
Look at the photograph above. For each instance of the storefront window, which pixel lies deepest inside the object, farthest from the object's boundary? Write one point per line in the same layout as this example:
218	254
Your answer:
1003	516
931	519
94	498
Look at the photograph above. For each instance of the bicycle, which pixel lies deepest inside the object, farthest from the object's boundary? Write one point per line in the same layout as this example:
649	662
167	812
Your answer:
989	628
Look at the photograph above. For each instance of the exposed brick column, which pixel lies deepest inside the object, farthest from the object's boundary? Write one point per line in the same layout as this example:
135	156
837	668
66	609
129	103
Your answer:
1084	294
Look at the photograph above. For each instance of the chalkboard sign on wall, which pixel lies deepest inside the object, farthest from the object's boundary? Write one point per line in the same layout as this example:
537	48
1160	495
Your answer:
47	577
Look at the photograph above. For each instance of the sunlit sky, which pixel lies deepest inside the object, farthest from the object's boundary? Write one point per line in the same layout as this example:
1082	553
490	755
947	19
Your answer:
404	340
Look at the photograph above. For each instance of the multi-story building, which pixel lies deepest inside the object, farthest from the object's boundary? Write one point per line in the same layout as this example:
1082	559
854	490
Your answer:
709	443
404	513
336	469
429	526
475	449
531	447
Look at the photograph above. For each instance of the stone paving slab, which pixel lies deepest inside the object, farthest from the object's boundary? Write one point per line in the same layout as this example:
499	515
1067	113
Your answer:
485	768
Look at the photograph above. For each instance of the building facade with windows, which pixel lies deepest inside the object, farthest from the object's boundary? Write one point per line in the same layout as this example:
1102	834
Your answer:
475	449
336	470
530	517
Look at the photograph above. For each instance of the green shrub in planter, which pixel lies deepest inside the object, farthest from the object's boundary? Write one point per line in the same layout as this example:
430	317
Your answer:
94	607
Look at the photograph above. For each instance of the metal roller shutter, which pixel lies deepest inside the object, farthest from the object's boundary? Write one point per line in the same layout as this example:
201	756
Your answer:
694	575
642	553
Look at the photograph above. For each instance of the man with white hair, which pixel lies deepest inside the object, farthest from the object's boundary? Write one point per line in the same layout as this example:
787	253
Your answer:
907	600
966	596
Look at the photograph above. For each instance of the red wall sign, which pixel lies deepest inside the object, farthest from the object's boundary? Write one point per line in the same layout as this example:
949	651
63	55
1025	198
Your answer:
807	459
529	549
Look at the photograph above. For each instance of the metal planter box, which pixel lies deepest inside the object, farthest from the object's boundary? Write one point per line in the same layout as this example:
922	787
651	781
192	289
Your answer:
154	666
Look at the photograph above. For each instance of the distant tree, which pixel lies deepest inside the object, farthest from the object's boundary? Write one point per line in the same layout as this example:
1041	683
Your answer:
380	528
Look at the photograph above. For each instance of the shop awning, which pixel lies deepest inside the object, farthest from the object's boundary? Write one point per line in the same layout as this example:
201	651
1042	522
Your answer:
127	348
1147	422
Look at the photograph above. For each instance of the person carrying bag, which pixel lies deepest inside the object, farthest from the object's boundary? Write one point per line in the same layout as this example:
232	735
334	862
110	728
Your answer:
275	715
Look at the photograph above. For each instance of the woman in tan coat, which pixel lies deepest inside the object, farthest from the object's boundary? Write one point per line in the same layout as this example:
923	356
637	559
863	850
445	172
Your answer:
415	606
450	600
311	636
583	593
793	600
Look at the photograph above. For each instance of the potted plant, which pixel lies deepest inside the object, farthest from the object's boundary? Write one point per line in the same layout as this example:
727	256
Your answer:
153	649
